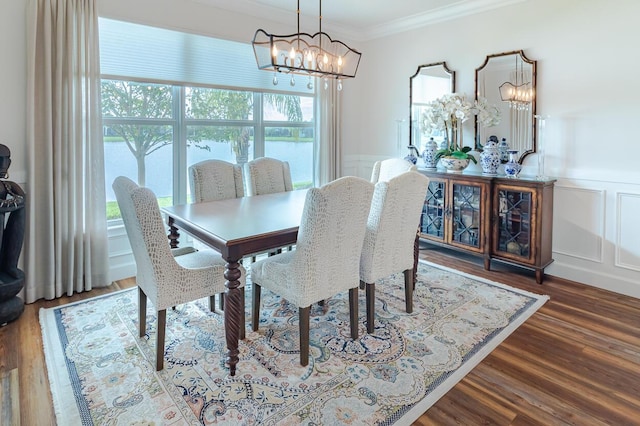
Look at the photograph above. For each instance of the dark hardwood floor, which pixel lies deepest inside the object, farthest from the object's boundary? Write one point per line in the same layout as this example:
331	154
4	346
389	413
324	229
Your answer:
575	361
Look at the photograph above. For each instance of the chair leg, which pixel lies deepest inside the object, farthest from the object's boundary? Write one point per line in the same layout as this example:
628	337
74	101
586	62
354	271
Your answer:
221	302
162	323
362	285
353	312
303	317
371	303
408	290
142	312
255	310
212	303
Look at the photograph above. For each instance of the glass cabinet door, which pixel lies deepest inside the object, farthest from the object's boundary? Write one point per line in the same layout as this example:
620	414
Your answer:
514	222
433	211
466	214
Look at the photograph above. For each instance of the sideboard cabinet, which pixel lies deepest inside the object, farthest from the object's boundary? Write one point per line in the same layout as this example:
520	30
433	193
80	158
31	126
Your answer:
509	220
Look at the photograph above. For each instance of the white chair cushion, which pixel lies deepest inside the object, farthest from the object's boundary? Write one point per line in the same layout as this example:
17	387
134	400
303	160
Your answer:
267	176
328	248
392	226
212	180
392	167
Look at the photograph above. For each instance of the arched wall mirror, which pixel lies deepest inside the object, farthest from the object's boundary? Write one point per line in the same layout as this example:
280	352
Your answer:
428	83
508	81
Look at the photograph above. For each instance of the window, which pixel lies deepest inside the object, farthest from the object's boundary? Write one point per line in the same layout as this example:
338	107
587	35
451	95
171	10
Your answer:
154	129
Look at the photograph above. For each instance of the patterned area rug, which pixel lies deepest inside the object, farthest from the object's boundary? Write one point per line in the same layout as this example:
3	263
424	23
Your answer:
102	373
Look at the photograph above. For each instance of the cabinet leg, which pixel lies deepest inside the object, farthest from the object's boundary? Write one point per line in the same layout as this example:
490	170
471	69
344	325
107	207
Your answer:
539	275
487	263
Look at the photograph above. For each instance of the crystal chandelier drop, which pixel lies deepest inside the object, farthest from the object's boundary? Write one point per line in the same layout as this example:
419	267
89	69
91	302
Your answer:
519	94
314	55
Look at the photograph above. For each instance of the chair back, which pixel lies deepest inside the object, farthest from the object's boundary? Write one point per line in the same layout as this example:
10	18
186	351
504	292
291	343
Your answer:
330	237
392	167
392	226
212	180
146	232
267	175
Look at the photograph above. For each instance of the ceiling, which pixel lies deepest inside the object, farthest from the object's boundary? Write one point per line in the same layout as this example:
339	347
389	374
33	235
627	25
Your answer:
359	20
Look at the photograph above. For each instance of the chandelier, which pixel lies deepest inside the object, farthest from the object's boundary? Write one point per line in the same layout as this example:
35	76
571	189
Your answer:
519	94
314	55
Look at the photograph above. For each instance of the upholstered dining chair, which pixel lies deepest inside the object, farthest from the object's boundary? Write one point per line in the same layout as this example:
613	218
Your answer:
267	175
327	253
212	180
165	279
391	233
386	169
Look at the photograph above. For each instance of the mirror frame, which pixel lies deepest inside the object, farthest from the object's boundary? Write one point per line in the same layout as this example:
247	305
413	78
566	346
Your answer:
525	60
452	78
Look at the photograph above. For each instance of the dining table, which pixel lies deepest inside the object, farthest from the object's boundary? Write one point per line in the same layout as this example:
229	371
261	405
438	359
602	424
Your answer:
236	228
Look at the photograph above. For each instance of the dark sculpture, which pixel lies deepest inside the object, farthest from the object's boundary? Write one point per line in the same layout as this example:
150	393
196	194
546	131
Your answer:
11	238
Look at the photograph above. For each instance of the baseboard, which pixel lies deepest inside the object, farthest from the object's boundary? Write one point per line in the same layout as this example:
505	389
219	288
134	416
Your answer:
599	279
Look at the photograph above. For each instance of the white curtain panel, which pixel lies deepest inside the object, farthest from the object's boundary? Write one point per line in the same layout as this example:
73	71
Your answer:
327	166
66	240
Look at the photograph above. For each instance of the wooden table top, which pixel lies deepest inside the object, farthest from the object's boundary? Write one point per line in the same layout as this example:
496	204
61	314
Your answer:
241	226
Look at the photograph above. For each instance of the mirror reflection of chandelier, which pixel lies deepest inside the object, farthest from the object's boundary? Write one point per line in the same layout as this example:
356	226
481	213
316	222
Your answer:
519	94
314	55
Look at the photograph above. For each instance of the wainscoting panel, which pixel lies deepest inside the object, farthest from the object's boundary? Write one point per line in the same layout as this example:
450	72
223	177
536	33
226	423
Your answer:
579	222
121	262
628	231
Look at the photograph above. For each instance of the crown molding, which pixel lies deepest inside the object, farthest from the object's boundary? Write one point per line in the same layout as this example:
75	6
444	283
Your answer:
434	16
456	10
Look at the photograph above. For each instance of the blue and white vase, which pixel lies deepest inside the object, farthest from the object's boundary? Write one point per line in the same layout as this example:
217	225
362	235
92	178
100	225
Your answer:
429	154
411	157
503	147
512	168
490	158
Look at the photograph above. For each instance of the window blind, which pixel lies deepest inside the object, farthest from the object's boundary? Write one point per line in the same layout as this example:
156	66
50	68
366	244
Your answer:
142	52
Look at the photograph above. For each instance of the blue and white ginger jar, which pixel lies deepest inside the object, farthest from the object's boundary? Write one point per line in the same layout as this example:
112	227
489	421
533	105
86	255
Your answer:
503	147
429	154
490	158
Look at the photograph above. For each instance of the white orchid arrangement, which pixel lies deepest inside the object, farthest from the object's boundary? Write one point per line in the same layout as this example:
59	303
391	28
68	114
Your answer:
448	112
488	115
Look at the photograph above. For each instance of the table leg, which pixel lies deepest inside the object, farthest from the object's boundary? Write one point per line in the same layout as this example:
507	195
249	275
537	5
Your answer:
234	308
173	233
416	256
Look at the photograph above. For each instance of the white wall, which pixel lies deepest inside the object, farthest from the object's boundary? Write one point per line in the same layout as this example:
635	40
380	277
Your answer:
586	82
587	57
